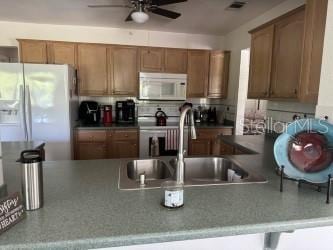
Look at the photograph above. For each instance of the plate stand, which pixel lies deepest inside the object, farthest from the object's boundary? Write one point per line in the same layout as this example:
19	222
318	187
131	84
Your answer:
319	186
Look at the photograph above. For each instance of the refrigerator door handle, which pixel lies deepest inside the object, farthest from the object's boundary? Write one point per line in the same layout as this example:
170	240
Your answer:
23	113
28	112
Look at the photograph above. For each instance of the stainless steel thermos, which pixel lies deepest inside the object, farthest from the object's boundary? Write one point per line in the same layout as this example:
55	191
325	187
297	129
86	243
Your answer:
32	179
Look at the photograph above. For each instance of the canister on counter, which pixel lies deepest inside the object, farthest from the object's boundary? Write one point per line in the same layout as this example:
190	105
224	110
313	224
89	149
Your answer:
172	194
32	179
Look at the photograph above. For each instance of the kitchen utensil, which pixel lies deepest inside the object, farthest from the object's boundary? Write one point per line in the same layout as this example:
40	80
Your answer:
173	194
305	150
107	115
89	112
125	111
32	179
161	118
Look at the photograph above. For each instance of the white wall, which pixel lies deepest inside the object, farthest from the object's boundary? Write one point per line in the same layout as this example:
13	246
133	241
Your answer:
10	31
240	39
325	98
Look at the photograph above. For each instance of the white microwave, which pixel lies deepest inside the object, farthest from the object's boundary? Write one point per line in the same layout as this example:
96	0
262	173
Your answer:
162	86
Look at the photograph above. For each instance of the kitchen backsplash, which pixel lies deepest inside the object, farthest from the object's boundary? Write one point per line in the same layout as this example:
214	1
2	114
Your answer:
223	111
279	114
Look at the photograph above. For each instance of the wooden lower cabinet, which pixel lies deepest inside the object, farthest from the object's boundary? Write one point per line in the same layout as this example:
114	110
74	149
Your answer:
90	151
208	142
200	147
226	149
124	149
106	144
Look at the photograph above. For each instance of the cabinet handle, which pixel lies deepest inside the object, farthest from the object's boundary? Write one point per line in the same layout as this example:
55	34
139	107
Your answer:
295	91
126	135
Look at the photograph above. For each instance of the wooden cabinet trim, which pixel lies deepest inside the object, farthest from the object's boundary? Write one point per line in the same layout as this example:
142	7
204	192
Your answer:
285	75
275	20
131	86
41	58
314	33
51	53
218	74
105	89
160	51
91	136
197	88
180	55
264	86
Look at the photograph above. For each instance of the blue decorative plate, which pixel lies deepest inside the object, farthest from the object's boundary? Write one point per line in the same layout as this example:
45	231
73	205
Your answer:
306	150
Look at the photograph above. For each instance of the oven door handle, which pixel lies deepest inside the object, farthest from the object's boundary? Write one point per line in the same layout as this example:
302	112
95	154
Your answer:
153	131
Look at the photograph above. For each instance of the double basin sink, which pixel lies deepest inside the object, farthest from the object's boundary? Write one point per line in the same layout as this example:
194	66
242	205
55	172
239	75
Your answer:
198	172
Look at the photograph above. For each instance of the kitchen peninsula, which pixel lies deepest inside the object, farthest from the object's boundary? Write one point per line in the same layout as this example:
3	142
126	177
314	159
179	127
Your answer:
85	209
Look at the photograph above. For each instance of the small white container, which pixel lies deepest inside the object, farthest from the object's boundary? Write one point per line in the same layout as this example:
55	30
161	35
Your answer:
173	194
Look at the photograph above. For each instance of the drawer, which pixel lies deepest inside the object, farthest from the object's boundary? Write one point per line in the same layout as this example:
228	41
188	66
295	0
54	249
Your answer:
126	134
212	133
91	136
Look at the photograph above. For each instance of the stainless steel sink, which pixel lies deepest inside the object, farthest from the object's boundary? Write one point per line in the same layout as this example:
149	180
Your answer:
152	170
155	172
204	171
209	169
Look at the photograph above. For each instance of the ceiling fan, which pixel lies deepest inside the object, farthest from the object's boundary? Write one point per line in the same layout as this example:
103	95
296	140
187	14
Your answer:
140	8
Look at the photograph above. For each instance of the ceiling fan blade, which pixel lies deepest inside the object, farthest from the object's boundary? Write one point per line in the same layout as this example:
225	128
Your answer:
166	2
109	6
166	13
129	17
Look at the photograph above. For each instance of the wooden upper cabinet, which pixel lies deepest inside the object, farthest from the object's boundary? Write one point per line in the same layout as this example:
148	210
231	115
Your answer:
32	51
175	61
197	73
218	74
260	62
287	56
123	70
62	53
315	22
151	59
92	69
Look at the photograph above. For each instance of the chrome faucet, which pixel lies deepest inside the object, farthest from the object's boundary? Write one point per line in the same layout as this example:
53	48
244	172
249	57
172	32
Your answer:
180	169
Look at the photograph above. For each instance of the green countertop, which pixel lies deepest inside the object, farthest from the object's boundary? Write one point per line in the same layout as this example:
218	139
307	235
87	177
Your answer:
84	208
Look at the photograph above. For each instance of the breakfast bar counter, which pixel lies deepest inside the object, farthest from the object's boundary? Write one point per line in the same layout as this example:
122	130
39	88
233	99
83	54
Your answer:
85	209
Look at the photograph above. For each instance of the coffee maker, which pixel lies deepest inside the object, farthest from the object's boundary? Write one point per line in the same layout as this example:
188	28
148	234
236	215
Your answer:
125	111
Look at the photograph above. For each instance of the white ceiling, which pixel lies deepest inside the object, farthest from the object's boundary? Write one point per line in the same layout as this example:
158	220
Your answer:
198	16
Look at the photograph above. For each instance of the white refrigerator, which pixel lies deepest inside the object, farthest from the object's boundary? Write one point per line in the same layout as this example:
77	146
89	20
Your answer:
38	102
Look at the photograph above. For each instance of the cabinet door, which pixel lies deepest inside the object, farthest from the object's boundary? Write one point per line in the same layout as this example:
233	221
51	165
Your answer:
287	57
315	22
124	72
175	61
226	149
197	73
261	62
218	74
90	151
201	147
124	149
62	53
33	51
92	69
151	59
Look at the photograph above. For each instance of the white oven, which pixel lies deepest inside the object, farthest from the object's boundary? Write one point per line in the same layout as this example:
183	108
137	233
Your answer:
162	86
168	140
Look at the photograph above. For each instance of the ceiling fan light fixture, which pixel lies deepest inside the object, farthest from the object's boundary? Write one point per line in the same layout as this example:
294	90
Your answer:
140	16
